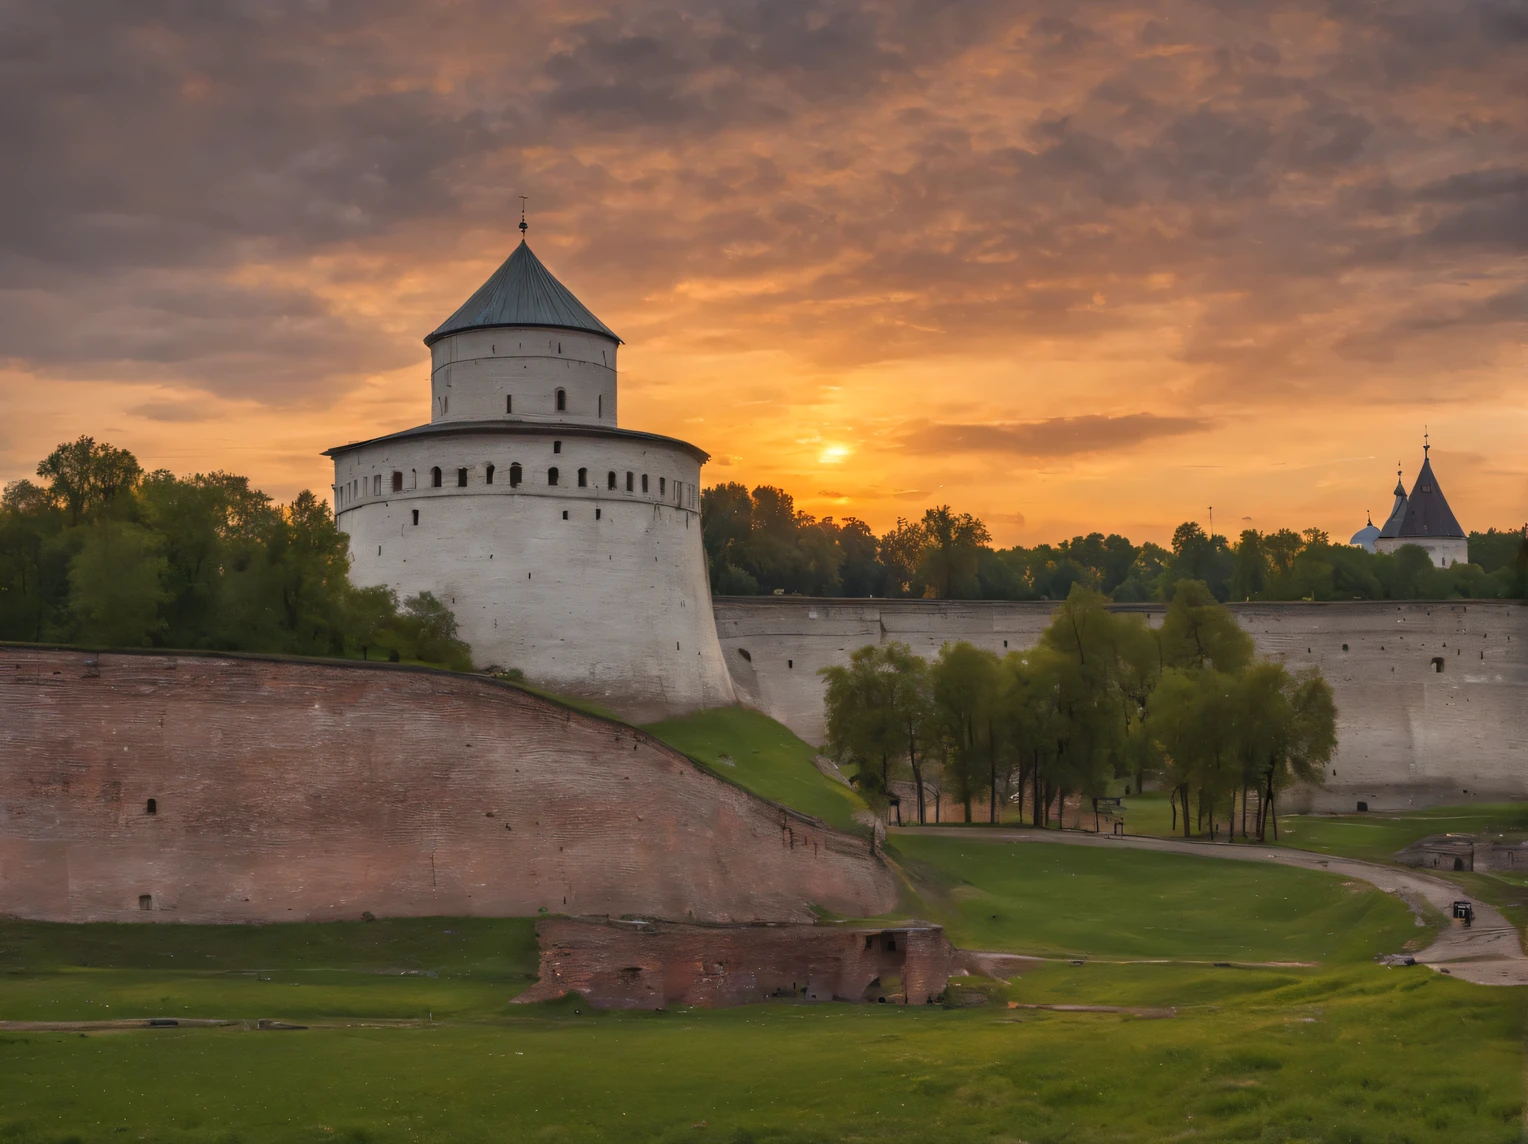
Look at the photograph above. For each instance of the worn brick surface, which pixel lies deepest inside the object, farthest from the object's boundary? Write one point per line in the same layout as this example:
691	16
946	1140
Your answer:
646	965
289	790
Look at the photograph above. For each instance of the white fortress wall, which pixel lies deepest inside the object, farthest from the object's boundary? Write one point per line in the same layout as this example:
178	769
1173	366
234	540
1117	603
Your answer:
589	590
1408	733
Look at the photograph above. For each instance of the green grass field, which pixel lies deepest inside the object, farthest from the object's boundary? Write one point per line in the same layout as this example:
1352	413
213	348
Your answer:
1032	898
766	758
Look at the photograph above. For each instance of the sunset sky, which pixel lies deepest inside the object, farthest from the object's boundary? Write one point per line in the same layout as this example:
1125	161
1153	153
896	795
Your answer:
1068	267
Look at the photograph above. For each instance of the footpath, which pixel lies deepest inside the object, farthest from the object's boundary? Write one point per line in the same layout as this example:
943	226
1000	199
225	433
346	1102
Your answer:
1487	953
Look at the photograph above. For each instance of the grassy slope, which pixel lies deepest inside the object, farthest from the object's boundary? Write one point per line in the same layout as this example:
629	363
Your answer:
1033	898
766	759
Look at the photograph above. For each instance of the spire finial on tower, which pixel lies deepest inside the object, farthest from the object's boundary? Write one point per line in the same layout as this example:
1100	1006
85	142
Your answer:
1425	445
524	226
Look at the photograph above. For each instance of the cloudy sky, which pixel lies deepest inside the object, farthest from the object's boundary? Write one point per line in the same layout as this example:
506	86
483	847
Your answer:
1065	266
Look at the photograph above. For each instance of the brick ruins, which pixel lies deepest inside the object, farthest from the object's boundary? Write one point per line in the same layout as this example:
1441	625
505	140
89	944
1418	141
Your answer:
648	965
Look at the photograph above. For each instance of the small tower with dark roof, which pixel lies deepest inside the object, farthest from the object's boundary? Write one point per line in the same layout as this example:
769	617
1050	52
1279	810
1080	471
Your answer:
1424	519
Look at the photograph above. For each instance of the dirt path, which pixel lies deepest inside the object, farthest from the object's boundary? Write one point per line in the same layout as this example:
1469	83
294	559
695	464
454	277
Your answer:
1488	953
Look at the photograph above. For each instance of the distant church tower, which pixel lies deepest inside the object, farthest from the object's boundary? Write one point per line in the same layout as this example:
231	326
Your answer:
567	547
1423	518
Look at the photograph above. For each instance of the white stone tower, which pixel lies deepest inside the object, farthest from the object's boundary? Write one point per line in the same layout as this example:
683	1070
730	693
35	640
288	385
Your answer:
567	547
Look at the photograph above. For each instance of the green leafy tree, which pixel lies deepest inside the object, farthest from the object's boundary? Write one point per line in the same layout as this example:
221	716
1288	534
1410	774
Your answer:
881	707
1198	632
1249	577
105	555
1029	718
116	586
965	682
88	479
901	551
951	555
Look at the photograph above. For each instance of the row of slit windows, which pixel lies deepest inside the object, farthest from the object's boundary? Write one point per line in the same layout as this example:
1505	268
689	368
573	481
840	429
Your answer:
613	482
517	477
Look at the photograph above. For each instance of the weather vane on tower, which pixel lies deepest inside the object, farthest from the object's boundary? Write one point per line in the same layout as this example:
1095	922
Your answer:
524	226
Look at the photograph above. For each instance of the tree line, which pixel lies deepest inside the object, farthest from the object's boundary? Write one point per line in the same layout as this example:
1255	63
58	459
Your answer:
757	542
100	552
1102	696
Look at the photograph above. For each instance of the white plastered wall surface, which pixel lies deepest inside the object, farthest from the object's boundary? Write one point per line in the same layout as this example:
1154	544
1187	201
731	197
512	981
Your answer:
589	590
1430	696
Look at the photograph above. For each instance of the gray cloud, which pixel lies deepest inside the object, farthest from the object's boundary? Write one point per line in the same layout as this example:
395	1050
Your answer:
1053	437
1157	155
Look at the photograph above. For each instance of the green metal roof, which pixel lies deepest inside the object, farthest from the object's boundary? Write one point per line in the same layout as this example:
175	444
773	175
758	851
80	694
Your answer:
522	292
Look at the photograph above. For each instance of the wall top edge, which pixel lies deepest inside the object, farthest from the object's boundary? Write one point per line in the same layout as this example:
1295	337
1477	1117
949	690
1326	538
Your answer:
514	428
1241	605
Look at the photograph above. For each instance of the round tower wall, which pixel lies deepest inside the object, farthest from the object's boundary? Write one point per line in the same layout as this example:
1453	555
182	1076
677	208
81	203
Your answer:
518	372
589	590
1445	551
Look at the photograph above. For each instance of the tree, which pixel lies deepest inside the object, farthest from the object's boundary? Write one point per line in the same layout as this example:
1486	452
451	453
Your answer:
857	701
1198	632
106	555
1093	715
86	478
1197	556
861	573
965	682
432	627
880	707
116	586
948	563
1250	574
901	551
1029	722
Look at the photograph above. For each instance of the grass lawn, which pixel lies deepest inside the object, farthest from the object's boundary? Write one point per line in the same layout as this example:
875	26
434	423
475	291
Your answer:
766	758
1377	836
1362	1054
1345	1052
1033	898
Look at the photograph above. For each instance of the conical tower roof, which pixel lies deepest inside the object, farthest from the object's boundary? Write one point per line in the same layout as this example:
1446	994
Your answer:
1427	512
522	292
1392	525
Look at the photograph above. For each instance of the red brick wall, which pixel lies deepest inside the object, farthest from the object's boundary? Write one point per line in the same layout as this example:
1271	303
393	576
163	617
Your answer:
290	790
626	965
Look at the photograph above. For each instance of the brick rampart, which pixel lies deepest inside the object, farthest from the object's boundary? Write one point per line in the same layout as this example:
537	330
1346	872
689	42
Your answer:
647	965
289	790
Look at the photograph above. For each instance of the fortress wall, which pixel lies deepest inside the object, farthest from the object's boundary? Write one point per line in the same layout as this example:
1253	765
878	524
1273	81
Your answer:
1408	735
291	791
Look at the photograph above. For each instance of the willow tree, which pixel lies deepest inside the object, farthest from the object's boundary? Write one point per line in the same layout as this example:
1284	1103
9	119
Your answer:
879	714
964	688
1288	733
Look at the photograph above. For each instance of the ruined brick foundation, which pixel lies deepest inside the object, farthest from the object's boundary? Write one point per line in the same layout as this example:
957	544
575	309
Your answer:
648	965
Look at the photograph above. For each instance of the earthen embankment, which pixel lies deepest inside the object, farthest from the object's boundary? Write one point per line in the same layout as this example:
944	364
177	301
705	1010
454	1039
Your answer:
211	788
